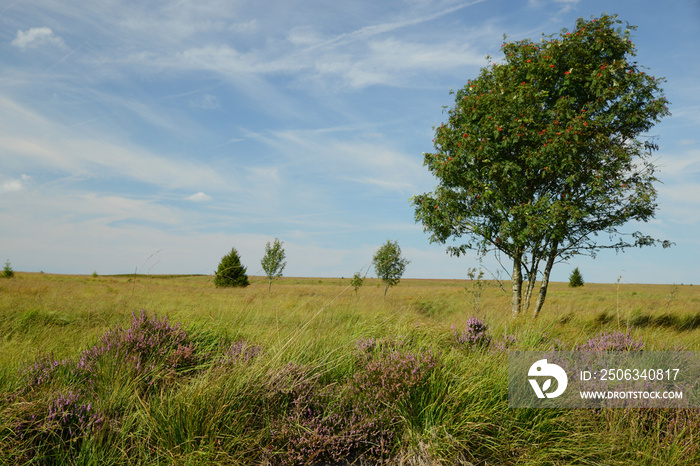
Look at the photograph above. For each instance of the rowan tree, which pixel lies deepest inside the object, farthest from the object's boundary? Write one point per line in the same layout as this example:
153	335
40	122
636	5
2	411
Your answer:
544	155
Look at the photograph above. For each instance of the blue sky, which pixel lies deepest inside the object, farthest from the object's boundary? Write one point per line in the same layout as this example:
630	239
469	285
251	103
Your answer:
157	135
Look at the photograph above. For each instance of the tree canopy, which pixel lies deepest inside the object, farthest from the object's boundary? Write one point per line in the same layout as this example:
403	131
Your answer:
389	264
230	271
544	155
273	261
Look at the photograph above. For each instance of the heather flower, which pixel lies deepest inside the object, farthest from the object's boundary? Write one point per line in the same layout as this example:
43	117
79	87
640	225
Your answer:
41	372
147	342
616	341
241	351
505	343
358	417
474	335
59	424
366	345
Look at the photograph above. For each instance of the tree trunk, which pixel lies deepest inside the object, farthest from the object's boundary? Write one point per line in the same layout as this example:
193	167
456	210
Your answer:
517	280
531	279
545	280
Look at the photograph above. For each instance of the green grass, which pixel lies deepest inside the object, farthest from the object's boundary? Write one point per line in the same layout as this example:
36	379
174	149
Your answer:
411	397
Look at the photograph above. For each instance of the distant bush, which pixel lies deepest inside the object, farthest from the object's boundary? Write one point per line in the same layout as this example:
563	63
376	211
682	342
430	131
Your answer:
575	279
230	271
7	271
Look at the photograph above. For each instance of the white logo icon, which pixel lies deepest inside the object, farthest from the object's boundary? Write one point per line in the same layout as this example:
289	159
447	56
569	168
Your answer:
543	369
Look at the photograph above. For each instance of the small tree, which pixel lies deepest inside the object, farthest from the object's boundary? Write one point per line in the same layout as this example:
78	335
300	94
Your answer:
357	282
575	279
476	287
230	271
273	261
389	264
7	271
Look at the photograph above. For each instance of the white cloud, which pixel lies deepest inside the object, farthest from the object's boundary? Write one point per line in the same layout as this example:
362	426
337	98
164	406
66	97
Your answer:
36	37
10	186
199	197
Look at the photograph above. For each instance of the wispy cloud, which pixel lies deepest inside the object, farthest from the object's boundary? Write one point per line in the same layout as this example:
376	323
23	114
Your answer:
395	62
205	102
368	56
373	163
367	32
37	141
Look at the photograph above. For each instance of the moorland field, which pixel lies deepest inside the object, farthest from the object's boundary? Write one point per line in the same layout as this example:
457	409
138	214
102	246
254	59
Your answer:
150	369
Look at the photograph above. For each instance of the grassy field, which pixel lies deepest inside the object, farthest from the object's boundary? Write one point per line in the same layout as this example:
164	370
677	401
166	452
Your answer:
170	370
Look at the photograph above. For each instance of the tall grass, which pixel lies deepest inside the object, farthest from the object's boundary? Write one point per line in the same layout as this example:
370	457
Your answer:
163	370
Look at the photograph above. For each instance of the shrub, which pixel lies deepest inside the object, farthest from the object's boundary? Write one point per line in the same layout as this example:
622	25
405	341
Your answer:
230	271
575	279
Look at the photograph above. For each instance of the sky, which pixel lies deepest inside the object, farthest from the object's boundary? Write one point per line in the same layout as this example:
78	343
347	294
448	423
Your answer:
155	136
